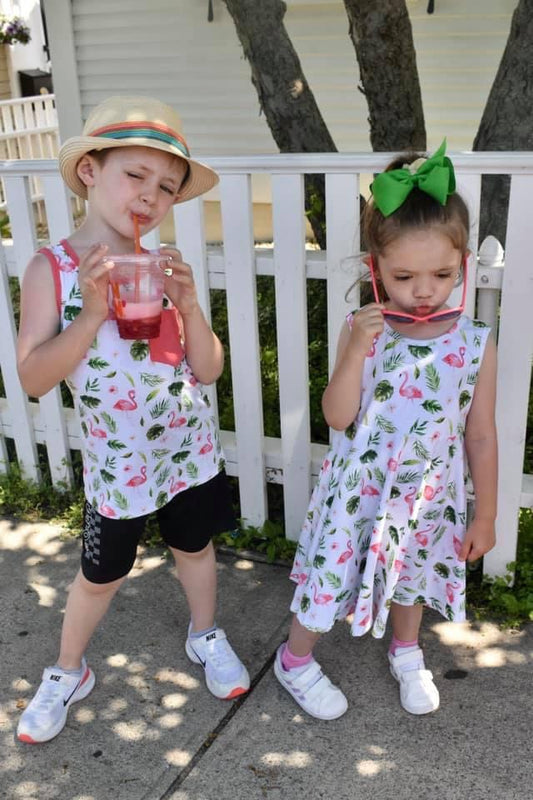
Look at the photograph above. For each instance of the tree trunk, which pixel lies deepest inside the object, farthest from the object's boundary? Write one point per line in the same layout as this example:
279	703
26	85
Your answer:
383	40
284	94
507	121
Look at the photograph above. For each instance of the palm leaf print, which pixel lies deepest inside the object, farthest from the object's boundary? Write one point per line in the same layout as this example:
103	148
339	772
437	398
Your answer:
419	428
149	379
342	596
107	477
407	477
350	431
352	480
373	439
111	462
192	422
192	470
449	514
90	402
175	388
394	362
420	450
305	603
110	422
160	408
472	379
186	402
464	399
441	569
432	378
393	533
379	476
71	312
162	476
156	454
419	351
155	431
150	396
115	444
120	499
161	500
353	504
92	385
139	350
385	424
432	406
333	580
383	391
368	456
97	363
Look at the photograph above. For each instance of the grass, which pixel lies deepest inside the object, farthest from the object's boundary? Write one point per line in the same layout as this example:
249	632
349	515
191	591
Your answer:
508	602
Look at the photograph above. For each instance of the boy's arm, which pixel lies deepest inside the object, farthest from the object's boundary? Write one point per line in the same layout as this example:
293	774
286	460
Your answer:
45	356
482	452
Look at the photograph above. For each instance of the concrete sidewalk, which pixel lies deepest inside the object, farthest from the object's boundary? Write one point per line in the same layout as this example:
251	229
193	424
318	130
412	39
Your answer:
151	731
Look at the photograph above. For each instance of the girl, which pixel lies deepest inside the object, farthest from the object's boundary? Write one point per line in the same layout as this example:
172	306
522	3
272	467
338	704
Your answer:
412	393
149	440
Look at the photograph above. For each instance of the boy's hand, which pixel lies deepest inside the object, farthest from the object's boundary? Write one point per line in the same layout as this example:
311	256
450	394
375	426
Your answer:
367	323
480	537
93	278
180	287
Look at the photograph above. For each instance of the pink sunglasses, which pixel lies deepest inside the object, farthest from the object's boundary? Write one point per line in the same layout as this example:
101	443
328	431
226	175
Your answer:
399	316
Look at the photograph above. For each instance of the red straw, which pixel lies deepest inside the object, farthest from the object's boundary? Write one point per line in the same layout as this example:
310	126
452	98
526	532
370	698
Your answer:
138	249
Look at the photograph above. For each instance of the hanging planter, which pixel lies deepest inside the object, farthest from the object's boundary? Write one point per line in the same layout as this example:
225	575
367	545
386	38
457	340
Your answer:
13	30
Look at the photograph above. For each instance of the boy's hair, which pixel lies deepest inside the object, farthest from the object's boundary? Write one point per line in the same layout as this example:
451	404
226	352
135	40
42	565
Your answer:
418	211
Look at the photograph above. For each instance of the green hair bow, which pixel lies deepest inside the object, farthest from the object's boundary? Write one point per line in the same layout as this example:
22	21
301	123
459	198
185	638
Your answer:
435	176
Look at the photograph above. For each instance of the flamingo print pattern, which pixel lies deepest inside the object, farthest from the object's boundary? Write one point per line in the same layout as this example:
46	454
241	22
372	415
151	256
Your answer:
147	429
387	517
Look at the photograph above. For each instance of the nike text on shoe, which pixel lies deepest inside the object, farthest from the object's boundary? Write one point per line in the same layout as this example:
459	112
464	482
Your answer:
311	689
225	675
46	714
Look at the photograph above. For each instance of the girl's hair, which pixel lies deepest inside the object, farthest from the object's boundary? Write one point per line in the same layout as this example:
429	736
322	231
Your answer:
418	211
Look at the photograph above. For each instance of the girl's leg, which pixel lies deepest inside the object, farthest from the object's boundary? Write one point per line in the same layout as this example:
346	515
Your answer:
197	573
301	641
406	621
225	675
86	605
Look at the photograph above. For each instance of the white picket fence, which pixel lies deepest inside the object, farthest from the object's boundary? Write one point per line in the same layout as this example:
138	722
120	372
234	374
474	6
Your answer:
504	300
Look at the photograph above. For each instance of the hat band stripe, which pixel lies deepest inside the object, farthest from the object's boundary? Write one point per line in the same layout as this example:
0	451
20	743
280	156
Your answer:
146	133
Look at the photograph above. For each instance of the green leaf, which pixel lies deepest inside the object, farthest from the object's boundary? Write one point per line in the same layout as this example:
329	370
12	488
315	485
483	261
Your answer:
419	428
383	391
368	456
150	396
394	362
154	432
353	504
175	388
464	399
139	350
433	406
116	444
110	422
71	312
150	379
432	378
107	477
385	424
419	351
97	363
449	514
161	500
318	561
160	408
442	569
120	499
177	458
192	470
90	402
333	580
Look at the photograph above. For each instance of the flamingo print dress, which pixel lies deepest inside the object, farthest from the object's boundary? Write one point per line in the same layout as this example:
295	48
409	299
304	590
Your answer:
147	429
388	514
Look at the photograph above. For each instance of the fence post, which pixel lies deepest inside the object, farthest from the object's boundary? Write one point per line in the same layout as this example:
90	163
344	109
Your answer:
489	281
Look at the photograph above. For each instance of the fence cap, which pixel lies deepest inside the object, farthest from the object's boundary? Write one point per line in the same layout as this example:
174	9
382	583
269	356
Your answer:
491	253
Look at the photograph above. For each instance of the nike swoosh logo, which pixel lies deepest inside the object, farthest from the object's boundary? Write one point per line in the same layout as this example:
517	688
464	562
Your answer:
67	701
200	659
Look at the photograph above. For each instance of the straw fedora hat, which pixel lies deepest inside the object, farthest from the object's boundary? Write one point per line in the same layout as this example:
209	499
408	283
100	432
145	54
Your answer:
134	121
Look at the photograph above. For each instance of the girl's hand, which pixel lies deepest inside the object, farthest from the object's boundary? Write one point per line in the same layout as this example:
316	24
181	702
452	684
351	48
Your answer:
180	287
479	539
367	323
93	278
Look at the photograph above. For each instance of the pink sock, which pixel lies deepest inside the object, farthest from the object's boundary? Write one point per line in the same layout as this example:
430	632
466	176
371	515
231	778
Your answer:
290	661
397	643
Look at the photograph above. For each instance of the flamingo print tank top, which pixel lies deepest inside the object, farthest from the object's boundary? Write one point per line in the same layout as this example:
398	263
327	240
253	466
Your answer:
147	431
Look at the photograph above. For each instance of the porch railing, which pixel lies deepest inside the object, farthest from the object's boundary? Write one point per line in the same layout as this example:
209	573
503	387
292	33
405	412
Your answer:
504	298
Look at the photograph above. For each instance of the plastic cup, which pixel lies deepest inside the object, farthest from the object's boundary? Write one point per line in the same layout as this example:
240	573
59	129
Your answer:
136	293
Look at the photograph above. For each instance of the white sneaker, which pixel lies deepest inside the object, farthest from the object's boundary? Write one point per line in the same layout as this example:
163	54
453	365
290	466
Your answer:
418	693
46	714
311	689
225	675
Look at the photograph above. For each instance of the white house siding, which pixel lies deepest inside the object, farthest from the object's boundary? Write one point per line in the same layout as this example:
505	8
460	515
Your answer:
168	48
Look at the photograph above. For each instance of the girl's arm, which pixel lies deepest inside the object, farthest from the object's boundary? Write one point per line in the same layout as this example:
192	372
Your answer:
482	453
45	356
342	397
205	354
